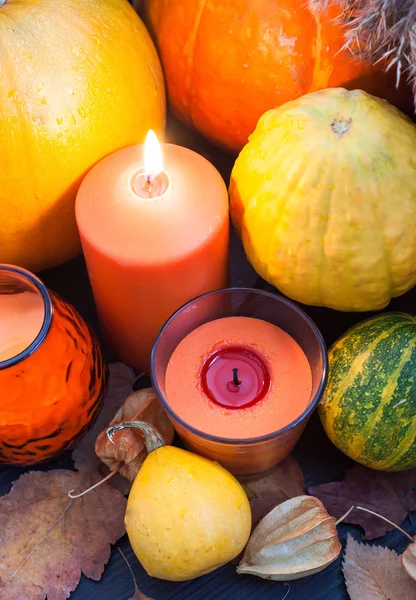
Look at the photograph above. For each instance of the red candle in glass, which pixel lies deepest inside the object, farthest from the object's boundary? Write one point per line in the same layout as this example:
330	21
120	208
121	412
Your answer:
254	437
238	377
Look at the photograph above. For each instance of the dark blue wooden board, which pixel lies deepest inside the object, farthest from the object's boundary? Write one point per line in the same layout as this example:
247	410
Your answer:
319	460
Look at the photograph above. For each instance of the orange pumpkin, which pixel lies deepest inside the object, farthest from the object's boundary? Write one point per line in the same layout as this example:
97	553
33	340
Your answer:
78	80
226	63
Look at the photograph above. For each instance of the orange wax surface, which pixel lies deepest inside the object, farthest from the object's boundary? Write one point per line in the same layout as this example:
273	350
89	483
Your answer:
21	319
291	378
146	256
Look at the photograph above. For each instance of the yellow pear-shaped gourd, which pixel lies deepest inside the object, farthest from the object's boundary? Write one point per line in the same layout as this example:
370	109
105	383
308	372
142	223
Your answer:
324	196
186	515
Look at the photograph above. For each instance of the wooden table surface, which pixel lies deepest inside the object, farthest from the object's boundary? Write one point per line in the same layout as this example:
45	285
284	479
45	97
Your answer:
319	459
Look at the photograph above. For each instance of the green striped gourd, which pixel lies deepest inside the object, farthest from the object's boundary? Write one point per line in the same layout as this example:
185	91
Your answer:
369	407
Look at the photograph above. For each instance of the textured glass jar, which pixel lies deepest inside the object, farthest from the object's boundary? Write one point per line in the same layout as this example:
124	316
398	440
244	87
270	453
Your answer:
251	455
51	390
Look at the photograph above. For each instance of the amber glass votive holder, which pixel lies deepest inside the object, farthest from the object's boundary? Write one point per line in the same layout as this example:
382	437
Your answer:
257	454
52	386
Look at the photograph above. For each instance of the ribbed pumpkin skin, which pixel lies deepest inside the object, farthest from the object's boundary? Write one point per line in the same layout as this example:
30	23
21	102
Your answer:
78	80
324	196
369	407
226	63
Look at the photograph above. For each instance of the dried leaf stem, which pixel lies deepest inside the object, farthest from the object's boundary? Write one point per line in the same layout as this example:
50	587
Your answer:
138	595
109	476
353	507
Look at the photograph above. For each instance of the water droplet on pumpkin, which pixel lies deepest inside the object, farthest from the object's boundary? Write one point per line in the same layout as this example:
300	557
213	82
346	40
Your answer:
82	113
73	120
14	95
44	100
59	120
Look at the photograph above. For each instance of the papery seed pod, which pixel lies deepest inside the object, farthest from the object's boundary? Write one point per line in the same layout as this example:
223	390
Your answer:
296	539
129	448
409	560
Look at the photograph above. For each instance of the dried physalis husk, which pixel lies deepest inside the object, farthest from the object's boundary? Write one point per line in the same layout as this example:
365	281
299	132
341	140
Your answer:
409	560
296	539
128	451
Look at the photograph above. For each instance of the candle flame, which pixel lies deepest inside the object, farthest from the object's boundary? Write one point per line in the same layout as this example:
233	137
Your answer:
153	160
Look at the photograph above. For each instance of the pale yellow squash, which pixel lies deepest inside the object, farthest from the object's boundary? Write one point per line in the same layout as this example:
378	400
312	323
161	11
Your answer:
186	515
324	196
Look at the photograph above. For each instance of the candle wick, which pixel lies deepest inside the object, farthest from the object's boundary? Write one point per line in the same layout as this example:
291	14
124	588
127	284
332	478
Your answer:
235	377
148	185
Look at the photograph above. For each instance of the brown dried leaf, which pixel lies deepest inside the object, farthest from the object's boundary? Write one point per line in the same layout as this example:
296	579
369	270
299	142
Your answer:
375	573
120	385
409	560
296	539
48	539
138	595
129	447
391	494
265	492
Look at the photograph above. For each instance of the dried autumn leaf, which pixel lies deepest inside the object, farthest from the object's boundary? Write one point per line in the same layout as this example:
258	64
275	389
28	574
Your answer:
138	595
409	560
120	385
375	573
296	539
265	492
129	448
390	494
48	539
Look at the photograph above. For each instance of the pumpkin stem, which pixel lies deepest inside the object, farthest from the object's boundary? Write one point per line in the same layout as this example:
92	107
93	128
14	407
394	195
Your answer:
152	438
376	515
109	476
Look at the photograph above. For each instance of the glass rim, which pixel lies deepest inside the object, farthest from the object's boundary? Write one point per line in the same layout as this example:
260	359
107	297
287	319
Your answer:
263	438
47	317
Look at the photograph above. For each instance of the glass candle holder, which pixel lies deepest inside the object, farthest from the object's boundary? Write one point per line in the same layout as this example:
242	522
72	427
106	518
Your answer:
52	373
248	454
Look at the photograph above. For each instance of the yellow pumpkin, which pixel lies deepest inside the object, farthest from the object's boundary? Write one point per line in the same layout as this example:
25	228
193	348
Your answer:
186	515
324	196
78	80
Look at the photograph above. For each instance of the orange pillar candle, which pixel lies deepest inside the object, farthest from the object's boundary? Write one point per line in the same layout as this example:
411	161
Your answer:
153	237
238	377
